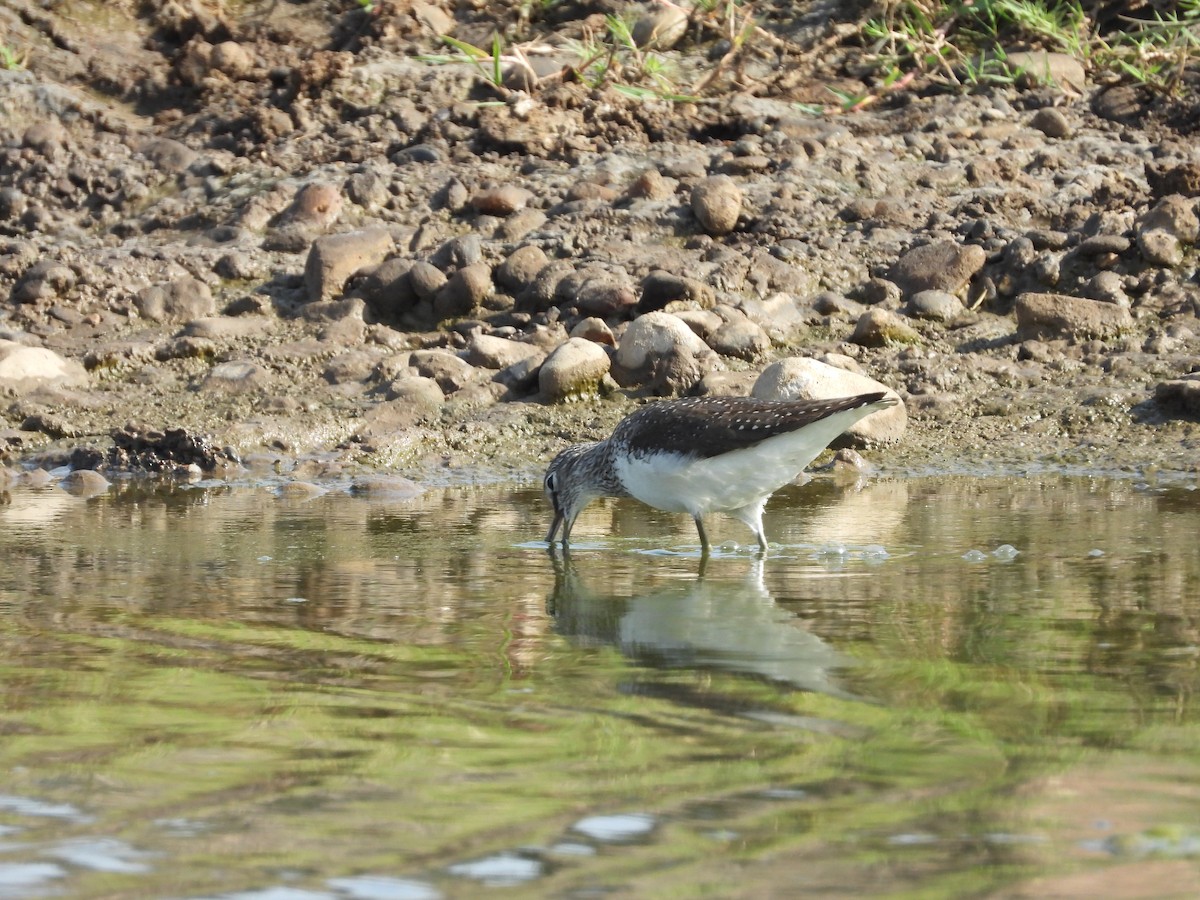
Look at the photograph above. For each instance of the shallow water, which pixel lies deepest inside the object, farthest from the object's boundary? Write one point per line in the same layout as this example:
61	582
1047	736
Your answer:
932	687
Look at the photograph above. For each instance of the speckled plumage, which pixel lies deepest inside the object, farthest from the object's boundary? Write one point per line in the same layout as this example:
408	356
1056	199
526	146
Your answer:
701	455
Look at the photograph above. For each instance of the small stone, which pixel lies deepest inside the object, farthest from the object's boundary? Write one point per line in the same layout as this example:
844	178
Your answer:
1039	67
595	330
1180	393
1050	121
1159	247
45	280
649	185
85	483
464	291
802	378
237	376
232	59
501	201
660	288
426	279
740	338
490	352
574	370
444	367
881	328
943	266
936	305
520	268
316	206
717	203
416	390
660	353
175	301
458	252
1050	316
334	258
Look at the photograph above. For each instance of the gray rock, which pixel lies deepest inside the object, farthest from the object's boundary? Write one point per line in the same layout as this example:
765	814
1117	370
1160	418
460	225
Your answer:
315	208
595	330
541	293
23	367
1159	247
1050	316
740	338
1050	121
1181	393
574	370
1040	67
717	203
168	155
520	268
426	280
941	266
661	287
176	301
449	371
45	280
522	376
489	352
802	378
1107	286
519	224
416	391
388	289
458	252
85	483
1175	215
660	353
334	258
464	291
1102	245
228	328
236	376
881	328
936	305
351	366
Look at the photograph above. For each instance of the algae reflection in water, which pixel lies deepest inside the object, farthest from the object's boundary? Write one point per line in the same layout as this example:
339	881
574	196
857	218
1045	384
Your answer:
220	693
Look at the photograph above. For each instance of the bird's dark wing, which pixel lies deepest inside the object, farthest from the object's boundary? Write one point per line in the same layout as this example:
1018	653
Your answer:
703	427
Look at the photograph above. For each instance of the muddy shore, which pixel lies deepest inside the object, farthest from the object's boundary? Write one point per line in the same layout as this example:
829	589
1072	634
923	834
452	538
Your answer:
270	234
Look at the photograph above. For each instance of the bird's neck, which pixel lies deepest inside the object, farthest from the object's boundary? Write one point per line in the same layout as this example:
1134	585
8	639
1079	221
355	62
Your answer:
597	460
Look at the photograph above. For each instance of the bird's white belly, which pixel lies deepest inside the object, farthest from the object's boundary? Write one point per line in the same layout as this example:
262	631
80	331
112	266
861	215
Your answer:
678	483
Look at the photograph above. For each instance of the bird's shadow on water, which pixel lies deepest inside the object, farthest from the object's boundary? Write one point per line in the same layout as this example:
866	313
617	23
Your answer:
712	622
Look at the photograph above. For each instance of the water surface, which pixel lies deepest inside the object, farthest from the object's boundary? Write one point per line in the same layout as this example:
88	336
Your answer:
932	687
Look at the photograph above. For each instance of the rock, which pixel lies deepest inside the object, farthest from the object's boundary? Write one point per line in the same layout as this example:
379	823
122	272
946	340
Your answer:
649	185
1050	316
418	391
881	328
1039	67
595	330
522	376
519	224
85	483
464	291
716	204
520	268
801	378
1109	287
315	208
22	367
941	266
45	280
1182	393
176	301
232	59
740	338
350	366
490	352
660	353
541	293
334	258
236	376
575	369
1162	230
1173	177
501	201
458	252
228	328
597	291
661	28
936	305
1050	121
426	280
660	288
444	367
388	289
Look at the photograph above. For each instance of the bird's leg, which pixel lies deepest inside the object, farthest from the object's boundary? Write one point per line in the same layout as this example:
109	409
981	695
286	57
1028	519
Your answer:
705	548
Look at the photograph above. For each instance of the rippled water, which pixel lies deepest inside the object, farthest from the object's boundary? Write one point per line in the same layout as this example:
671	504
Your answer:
933	687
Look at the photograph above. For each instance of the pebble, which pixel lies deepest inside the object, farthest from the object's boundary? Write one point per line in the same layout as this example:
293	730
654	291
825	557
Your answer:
660	288
658	352
941	266
1050	316
804	378
490	352
520	267
574	370
936	305
176	301
717	203
426	279
1050	121
464	291
501	201
449	371
881	328
740	338
334	258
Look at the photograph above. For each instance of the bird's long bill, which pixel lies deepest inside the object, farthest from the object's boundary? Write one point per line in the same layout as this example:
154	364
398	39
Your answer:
558	520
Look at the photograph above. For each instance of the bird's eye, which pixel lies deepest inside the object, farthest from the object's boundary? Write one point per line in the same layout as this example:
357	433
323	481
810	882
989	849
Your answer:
551	484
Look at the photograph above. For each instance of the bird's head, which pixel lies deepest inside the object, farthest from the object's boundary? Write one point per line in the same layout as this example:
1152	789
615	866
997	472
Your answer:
568	488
